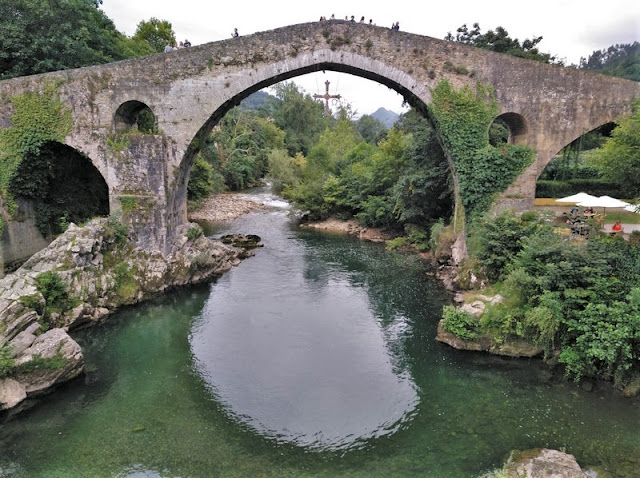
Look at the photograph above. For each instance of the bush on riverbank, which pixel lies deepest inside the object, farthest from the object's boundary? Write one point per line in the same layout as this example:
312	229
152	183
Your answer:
579	301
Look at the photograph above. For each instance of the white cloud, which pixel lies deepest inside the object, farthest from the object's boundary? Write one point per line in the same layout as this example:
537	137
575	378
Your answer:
570	28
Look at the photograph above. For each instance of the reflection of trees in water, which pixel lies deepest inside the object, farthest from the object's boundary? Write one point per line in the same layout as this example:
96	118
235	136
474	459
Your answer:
400	292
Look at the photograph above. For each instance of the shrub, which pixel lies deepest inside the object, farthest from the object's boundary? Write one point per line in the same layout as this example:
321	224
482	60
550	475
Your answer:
39	363
441	239
115	231
634	239
204	180
459	323
498	239
558	189
6	361
397	242
417	236
126	284
606	342
194	233
54	292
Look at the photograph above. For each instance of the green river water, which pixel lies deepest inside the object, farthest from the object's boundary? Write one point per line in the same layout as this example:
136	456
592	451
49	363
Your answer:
316	357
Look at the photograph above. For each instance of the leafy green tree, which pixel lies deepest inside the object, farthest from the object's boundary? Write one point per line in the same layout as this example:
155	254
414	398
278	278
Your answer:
621	60
619	158
371	129
204	180
500	41
422	193
40	36
284	171
236	153
298	115
156	32
244	141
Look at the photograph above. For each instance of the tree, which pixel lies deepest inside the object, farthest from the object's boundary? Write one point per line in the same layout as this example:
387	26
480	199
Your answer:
371	129
619	159
157	32
422	194
500	41
622	60
298	115
40	36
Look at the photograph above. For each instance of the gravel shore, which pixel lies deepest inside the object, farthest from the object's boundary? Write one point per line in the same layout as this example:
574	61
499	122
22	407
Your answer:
223	207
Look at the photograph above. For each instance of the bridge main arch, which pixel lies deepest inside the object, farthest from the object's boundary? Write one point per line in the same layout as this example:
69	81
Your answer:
323	60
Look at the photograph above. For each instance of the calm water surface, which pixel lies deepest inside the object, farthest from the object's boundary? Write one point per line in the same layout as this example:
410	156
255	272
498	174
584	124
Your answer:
314	358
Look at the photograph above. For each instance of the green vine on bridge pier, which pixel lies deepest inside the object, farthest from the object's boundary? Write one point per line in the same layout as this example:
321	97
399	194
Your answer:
38	118
462	119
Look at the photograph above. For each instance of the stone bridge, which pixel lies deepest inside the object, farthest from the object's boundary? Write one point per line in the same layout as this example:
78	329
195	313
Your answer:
190	90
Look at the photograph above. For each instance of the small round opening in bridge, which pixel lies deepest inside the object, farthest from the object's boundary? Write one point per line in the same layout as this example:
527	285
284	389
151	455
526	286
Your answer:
507	128
135	115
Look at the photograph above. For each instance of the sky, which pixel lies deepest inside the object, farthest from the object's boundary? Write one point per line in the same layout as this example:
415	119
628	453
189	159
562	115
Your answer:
571	29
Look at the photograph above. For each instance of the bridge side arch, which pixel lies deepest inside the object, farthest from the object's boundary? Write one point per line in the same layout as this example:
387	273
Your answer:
517	125
134	115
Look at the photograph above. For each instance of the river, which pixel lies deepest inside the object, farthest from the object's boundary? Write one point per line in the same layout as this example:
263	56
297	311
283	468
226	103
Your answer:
316	357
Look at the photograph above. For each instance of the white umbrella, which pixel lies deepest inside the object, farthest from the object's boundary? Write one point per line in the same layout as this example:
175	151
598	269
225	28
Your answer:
613	202
604	202
576	198
633	208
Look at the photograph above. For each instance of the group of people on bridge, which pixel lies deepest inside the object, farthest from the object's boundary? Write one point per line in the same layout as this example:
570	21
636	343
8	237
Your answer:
172	46
394	26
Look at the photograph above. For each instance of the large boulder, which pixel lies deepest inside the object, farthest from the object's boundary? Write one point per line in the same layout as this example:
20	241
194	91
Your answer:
12	393
54	358
544	463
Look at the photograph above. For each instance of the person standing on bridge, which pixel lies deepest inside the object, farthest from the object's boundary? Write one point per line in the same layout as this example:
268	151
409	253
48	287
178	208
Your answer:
235	33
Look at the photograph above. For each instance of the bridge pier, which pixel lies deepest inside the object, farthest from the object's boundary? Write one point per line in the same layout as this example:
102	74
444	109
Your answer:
145	190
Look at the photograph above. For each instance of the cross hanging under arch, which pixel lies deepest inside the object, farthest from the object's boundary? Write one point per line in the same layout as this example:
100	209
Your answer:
326	97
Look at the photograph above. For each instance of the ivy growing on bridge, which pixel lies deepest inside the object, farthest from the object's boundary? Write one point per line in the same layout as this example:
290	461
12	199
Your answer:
462	119
38	118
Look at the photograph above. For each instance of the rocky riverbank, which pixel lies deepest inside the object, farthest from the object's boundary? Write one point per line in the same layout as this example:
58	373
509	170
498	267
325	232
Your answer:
78	280
223	207
351	227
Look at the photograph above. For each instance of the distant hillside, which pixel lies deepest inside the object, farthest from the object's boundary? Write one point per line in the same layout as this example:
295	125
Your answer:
387	117
255	100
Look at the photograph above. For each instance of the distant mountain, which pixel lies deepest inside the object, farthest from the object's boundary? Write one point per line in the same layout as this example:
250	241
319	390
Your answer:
387	117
